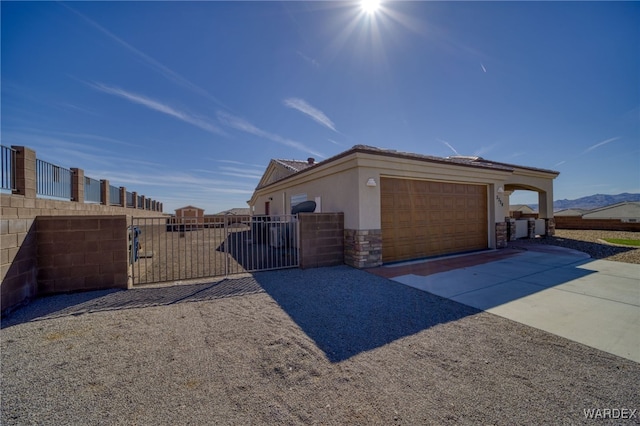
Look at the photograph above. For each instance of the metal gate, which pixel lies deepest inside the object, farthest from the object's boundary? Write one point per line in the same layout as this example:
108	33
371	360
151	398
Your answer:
176	249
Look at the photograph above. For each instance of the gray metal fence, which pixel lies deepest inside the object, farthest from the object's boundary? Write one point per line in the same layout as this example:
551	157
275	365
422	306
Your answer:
114	196
52	180
167	249
91	190
7	168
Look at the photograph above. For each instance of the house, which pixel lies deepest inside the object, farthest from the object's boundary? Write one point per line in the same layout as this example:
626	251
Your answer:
625	212
517	210
189	215
278	170
238	211
399	206
570	212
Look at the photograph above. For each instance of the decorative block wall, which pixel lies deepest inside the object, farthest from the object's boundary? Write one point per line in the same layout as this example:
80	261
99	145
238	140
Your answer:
58	254
18	262
321	239
81	253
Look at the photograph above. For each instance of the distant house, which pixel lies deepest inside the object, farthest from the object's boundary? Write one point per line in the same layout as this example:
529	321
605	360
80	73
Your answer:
570	212
399	205
238	211
517	210
625	212
190	215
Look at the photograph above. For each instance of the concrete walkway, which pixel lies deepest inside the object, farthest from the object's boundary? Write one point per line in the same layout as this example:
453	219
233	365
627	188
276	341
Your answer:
561	291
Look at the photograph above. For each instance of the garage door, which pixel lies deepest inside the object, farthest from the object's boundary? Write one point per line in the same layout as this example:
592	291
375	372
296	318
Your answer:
427	218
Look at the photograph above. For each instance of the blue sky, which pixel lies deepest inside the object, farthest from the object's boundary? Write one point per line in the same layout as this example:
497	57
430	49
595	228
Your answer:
186	102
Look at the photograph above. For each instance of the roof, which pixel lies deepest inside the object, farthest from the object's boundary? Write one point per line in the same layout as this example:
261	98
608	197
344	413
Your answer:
189	207
480	160
237	211
625	210
294	165
299	166
570	212
519	207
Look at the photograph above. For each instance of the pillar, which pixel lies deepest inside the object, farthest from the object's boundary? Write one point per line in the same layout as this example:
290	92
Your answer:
77	185
104	192
25	171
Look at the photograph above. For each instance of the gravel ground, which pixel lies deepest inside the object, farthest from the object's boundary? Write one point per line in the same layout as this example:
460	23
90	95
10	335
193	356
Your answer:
590	242
320	346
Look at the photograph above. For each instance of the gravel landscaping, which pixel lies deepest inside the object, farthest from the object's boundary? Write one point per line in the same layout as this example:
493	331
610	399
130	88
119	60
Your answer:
319	346
591	242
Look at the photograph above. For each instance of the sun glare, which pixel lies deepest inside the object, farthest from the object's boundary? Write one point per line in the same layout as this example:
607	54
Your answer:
370	6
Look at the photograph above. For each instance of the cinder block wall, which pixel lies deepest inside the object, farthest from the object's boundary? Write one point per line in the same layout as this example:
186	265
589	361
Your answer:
18	262
321	239
19	266
577	222
81	253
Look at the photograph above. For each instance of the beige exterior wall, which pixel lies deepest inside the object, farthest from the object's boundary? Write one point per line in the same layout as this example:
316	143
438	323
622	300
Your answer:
335	184
534	181
342	186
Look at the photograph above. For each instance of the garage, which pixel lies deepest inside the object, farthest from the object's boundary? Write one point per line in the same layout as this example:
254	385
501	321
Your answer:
421	218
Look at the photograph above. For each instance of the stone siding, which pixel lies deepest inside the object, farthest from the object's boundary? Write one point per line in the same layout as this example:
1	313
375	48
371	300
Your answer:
363	247
501	235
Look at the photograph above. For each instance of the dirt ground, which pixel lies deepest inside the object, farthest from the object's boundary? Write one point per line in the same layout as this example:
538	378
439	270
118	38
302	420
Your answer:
320	346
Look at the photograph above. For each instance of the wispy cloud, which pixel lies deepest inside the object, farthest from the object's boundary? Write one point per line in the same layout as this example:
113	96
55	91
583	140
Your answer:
482	66
240	163
163	70
559	163
599	144
234	171
334	142
62	149
245	126
317	115
311	61
158	106
177	180
449	145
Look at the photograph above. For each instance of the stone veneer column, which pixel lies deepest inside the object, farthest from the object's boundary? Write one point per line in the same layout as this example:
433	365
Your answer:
363	247
531	228
549	227
501	235
511	228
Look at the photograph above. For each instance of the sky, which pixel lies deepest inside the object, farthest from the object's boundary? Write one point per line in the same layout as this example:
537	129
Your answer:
187	102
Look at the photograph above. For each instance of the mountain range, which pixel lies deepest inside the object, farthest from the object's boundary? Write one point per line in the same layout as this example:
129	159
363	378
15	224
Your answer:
591	201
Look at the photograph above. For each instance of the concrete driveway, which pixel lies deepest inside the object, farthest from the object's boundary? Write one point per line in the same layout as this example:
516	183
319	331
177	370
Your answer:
561	291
